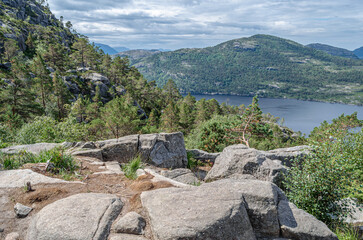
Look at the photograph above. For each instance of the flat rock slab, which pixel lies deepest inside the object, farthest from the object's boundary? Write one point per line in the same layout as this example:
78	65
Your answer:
205	212
126	237
19	178
132	223
183	175
85	216
32	148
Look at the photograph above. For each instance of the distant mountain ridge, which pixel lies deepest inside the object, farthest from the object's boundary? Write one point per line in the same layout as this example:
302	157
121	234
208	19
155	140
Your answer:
335	51
359	52
265	65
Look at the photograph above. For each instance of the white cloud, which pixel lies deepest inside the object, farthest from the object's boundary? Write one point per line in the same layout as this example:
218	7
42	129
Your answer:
199	23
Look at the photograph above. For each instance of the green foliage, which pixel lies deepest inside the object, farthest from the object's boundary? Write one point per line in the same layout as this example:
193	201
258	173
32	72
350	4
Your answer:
14	161
63	163
192	162
331	173
46	129
131	167
347	232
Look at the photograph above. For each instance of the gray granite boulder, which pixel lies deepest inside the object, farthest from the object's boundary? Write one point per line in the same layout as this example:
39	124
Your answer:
205	212
81	216
285	155
183	175
32	148
203	155
21	210
298	224
237	161
132	223
91	153
124	150
126	237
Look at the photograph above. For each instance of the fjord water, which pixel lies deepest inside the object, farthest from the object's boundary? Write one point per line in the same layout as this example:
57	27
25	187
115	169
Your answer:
299	115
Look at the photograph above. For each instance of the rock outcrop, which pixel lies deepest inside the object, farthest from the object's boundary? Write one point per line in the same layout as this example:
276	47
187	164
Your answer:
203	155
241	162
183	175
229	209
165	150
81	216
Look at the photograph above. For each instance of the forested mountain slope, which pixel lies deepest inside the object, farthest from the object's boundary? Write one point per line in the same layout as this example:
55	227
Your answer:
335	51
263	64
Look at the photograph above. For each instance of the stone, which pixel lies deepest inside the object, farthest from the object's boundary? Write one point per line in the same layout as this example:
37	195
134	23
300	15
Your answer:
203	155
89	145
32	148
12	236
169	151
285	155
298	224
126	237
146	145
92	153
356	217
81	216
95	77
124	150
204	212
21	210
236	161
19	178
132	223
183	175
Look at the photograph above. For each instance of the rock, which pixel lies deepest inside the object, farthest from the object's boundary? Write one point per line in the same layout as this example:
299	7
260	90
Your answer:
182	175
126	237
93	153
81	216
146	145
356	218
1	230
1	166
236	161
285	155
203	155
132	223
204	212
18	178
97	77
169	151
89	145
32	148
21	210
12	236
297	224
124	150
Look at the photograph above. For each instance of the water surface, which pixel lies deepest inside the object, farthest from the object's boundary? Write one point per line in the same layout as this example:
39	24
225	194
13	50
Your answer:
299	115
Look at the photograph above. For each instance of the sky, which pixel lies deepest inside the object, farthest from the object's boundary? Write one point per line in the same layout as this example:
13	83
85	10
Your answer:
175	24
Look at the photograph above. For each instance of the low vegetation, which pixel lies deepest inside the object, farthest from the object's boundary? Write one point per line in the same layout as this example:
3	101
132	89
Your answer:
131	167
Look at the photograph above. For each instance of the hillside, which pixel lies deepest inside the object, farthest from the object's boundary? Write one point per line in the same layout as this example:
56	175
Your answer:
335	51
137	53
267	65
359	52
106	49
20	19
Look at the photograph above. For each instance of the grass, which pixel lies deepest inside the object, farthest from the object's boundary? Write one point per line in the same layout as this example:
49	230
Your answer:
63	164
131	167
347	232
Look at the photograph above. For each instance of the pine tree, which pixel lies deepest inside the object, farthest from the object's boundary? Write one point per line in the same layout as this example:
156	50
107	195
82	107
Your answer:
61	94
171	92
170	118
202	114
120	116
56	56
11	49
79	55
42	79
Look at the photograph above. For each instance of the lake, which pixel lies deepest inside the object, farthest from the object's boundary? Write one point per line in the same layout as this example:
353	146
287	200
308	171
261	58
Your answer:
299	115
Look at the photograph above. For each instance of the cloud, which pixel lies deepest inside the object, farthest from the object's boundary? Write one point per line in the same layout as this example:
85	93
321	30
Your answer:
199	23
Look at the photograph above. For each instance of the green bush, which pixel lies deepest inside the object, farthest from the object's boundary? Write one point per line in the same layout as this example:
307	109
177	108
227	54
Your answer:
131	167
14	161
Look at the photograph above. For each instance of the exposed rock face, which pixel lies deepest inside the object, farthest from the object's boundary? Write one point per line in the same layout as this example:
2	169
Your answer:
297	224
229	209
241	162
18	178
81	216
165	150
183	175
132	223
202	212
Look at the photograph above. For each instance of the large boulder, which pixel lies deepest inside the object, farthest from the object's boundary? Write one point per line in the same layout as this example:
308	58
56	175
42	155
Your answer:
32	148
241	162
229	209
81	216
183	175
203	155
205	212
298	224
123	150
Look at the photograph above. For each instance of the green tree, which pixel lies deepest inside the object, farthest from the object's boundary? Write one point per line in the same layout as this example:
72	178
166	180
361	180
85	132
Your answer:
61	94
170	118
187	113
11	49
171	92
120	116
42	79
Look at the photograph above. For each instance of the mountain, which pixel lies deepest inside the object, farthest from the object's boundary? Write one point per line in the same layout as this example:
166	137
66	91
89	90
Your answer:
265	65
21	18
335	51
106	49
359	52
138	53
121	49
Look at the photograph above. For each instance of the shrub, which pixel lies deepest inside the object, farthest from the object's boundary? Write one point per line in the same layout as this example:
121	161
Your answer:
131	167
14	161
